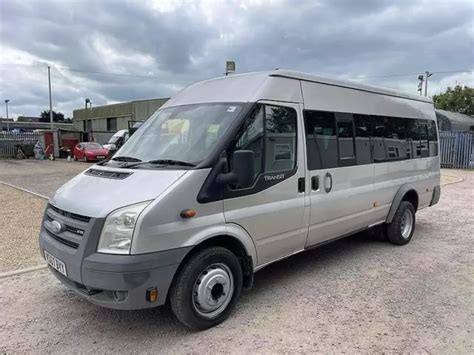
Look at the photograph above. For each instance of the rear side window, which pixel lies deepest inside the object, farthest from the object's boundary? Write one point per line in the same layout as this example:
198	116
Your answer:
321	140
378	139
363	134
345	139
432	139
336	139
423	131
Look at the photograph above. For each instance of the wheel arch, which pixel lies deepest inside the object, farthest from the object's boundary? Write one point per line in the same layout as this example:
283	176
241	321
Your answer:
229	236
405	193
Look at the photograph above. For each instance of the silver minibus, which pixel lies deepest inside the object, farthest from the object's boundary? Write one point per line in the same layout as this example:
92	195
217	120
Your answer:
233	174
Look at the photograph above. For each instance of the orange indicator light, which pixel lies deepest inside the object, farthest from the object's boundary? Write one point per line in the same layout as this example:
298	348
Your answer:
188	213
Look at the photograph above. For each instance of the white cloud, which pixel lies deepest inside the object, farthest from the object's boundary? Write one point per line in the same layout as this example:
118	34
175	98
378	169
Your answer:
169	44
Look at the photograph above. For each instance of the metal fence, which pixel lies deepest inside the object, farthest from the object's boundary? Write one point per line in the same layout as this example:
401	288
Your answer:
10	143
456	150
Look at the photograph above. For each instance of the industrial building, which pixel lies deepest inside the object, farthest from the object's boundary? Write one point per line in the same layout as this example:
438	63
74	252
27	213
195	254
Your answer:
101	122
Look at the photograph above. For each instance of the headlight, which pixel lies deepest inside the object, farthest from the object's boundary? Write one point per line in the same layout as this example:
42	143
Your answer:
117	233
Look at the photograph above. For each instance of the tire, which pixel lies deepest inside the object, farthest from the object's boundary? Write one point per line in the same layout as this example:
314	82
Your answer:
199	279
401	229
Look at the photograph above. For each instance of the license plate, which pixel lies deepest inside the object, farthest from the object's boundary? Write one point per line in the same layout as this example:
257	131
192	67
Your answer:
100	156
55	263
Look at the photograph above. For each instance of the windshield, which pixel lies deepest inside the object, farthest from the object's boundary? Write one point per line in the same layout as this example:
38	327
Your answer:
91	145
184	133
113	139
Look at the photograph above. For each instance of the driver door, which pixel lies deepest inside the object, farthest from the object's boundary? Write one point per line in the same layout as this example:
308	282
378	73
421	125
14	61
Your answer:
273	210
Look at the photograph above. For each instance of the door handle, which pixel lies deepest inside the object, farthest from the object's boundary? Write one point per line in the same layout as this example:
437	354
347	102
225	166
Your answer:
315	183
328	179
301	185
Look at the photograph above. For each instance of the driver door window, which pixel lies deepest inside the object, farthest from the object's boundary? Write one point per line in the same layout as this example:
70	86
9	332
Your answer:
271	135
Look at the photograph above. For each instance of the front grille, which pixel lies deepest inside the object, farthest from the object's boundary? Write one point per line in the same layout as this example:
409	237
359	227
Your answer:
75	230
108	174
69	228
70	214
62	240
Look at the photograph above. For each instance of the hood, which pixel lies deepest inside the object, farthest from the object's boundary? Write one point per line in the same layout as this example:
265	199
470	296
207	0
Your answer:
97	151
97	196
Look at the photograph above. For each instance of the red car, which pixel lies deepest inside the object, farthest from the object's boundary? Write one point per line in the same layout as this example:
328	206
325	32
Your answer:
89	151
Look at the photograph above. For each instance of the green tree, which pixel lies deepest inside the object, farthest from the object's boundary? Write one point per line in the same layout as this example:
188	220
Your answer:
57	116
458	99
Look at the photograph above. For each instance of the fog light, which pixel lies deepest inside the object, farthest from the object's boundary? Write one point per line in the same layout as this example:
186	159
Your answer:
119	296
152	294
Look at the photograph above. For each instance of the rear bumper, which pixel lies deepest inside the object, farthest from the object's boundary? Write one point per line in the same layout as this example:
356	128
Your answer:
436	195
117	281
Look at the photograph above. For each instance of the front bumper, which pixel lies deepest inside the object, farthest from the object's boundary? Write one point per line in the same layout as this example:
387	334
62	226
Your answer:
115	281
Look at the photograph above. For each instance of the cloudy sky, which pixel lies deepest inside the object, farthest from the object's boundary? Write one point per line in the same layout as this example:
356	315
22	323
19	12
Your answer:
112	51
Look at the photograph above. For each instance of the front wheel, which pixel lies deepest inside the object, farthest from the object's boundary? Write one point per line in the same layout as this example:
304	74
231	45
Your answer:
401	229
207	288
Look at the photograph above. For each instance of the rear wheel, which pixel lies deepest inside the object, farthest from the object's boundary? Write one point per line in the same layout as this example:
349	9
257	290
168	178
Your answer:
207	288
402	227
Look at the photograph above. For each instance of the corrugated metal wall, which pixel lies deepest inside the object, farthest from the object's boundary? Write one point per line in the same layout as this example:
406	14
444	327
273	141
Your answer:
456	150
142	110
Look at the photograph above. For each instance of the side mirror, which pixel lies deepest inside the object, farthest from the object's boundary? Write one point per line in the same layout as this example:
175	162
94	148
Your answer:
243	171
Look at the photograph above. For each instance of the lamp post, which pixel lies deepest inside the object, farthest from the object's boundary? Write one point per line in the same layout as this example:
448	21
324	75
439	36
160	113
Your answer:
6	107
50	100
87	128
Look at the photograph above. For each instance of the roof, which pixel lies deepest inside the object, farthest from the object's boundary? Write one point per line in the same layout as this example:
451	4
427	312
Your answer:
345	84
328	81
454	121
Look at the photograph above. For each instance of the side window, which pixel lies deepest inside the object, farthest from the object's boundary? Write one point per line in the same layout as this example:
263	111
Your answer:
252	138
363	134
394	138
345	138
321	140
378	139
432	138
423	129
280	138
413	138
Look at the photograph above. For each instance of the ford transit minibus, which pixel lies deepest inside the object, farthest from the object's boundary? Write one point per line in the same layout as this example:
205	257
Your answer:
233	174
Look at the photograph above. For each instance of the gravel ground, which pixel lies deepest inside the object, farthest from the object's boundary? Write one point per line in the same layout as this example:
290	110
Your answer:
41	176
355	295
20	221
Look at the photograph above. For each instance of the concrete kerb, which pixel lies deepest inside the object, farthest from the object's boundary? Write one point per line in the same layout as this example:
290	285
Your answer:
23	271
457	179
24	190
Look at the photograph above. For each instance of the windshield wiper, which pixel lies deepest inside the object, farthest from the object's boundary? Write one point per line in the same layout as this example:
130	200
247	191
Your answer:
164	162
171	162
125	158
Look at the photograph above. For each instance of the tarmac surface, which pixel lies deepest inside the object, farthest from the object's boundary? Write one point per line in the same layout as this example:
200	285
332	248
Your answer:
43	177
356	295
